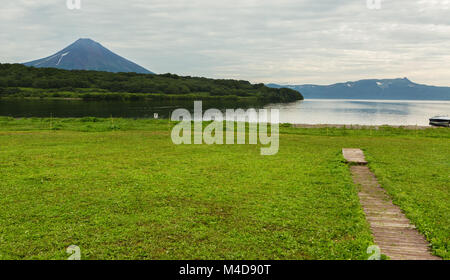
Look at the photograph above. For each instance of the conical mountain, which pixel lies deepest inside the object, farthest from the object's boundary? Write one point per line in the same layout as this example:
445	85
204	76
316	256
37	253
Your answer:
86	54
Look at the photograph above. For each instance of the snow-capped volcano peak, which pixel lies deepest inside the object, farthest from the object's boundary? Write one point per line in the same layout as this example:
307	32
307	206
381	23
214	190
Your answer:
86	54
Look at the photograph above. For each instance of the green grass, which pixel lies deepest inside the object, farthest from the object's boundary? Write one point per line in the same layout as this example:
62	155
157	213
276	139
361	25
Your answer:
119	189
417	175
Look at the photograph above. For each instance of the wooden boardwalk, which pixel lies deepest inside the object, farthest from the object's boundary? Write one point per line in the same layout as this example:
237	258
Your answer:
392	231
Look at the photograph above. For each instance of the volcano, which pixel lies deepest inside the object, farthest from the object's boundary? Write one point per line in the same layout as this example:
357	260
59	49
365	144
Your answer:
86	54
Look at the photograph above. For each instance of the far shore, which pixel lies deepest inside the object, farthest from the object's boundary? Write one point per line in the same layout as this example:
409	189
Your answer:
359	126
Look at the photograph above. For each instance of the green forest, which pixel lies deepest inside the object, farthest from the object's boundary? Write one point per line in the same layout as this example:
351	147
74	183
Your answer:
17	80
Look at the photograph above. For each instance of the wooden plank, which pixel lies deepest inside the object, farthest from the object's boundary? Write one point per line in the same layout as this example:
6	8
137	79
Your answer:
392	230
354	156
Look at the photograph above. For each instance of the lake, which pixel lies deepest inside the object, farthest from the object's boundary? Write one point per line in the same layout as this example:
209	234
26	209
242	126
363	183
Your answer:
311	111
363	112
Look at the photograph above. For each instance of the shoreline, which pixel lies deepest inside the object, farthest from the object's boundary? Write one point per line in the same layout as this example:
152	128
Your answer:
285	125
360	126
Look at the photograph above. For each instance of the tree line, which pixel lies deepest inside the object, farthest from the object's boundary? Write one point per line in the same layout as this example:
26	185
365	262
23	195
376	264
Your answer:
16	78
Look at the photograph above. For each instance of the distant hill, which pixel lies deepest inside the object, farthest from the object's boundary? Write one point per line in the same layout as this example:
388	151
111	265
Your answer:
388	89
86	54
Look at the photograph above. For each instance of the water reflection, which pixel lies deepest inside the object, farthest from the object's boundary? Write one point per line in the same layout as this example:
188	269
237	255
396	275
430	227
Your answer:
106	109
311	111
364	112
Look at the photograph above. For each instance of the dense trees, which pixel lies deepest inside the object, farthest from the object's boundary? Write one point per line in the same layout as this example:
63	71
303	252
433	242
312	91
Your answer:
14	77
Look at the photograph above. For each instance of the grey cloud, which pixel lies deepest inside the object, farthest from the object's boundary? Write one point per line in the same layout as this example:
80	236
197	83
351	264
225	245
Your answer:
284	41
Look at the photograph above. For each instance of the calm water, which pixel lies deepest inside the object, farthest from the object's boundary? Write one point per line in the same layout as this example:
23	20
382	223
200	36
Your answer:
312	111
364	112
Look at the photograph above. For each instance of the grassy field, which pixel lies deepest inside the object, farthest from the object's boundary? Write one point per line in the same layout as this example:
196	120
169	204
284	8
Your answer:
119	189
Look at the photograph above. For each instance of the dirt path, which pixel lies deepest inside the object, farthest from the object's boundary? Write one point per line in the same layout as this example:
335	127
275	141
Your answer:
392	231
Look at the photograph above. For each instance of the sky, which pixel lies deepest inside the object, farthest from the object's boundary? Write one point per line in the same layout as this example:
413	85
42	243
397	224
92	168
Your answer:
277	41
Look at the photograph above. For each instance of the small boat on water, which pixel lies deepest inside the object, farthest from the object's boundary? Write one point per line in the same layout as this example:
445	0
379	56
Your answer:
440	121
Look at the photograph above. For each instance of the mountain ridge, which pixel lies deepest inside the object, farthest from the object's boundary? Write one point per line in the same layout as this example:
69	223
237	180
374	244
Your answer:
389	89
87	54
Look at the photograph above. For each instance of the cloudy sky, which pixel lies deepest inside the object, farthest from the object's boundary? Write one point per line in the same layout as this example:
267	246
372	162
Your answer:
282	41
